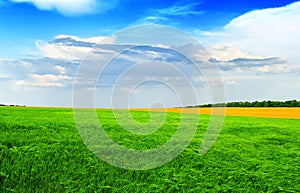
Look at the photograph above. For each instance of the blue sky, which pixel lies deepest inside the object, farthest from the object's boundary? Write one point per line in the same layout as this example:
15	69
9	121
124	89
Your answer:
254	43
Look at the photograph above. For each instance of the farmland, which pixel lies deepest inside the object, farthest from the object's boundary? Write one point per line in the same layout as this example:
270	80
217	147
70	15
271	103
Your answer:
272	112
41	151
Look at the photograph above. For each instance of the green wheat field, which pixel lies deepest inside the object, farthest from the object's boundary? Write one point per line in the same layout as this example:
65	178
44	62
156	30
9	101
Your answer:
42	151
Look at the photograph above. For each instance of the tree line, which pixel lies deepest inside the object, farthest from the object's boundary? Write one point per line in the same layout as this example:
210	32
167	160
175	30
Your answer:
3	105
289	103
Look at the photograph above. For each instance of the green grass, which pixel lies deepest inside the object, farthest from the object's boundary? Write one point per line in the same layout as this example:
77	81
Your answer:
41	151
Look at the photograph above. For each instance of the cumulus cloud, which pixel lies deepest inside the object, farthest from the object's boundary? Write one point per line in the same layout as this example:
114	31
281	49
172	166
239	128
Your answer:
268	32
226	51
102	49
72	7
61	51
272	31
43	72
44	80
68	47
260	41
61	69
64	53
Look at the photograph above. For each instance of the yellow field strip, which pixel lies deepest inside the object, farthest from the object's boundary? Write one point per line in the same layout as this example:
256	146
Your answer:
279	112
273	112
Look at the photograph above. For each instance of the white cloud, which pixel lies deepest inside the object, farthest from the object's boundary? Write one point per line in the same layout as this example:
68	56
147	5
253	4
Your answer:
268	32
44	80
72	7
250	50
96	39
178	10
68	47
226	51
273	65
260	36
162	15
258	53
2	76
276	69
231	82
62	52
152	20
271	31
61	69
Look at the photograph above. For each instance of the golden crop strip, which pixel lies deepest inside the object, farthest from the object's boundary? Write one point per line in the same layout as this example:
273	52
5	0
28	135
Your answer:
276	112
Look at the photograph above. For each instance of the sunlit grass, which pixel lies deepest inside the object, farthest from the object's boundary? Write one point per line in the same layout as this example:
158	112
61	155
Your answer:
41	151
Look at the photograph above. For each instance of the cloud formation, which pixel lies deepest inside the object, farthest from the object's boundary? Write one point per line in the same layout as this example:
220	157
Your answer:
43	72
268	32
226	52
178	10
164	14
63	55
44	80
66	47
252	51
261	41
274	65
72	7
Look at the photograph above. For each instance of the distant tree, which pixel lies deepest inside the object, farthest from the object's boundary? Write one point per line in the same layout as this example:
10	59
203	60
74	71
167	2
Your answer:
269	103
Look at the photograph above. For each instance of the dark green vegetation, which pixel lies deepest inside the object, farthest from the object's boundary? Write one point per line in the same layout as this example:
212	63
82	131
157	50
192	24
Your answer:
41	151
290	103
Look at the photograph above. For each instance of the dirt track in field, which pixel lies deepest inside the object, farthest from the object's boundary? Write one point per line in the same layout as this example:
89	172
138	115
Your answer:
279	112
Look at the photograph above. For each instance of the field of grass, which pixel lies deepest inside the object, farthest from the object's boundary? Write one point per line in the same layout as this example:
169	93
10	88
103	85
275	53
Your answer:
41	151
